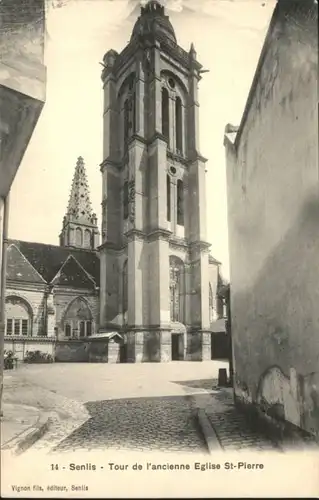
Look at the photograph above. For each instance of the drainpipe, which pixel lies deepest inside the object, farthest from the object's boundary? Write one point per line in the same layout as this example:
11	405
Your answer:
3	290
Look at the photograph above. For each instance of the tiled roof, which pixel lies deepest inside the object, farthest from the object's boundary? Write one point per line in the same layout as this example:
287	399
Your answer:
48	259
19	268
73	275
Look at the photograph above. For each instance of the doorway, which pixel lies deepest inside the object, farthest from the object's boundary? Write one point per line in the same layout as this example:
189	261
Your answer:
177	346
220	346
123	353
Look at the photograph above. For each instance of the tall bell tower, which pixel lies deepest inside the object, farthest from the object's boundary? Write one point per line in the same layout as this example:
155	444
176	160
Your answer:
154	253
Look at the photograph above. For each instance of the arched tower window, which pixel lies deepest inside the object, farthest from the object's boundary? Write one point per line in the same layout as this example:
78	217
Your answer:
165	113
178	125
132	105
87	238
133	113
78	237
125	288
125	200
168	194
126	121
180	203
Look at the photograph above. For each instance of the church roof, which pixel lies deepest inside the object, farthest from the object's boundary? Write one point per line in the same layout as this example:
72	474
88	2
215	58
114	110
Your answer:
72	274
20	269
153	20
48	260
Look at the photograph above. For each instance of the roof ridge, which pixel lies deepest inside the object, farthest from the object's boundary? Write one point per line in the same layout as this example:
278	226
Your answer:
69	248
82	269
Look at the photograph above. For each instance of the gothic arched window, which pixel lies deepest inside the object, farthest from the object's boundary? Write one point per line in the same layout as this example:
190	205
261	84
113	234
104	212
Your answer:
178	125
133	113
68	329
125	287
180	203
125	200
126	121
165	113
168	194
129	111
78	320
78	237
87	238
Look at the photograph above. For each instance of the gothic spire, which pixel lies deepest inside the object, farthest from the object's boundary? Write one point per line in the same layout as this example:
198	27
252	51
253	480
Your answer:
79	207
80	223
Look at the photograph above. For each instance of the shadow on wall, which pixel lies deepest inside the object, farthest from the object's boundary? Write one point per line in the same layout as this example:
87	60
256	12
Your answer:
152	347
276	322
40	318
69	351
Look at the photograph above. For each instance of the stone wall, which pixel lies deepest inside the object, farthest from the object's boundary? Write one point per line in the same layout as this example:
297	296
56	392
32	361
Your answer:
72	351
22	80
21	346
98	352
273	214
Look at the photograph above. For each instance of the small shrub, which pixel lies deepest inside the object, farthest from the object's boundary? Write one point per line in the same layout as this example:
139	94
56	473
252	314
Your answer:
8	360
37	357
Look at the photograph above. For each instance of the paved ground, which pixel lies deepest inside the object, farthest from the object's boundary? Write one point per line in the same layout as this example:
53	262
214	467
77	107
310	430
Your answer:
165	424
143	407
101	381
16	420
233	430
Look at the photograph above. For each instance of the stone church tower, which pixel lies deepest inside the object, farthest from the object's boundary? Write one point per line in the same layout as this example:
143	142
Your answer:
79	227
155	262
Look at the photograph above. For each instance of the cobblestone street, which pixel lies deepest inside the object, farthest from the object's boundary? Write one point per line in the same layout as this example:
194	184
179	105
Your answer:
233	430
146	407
166	424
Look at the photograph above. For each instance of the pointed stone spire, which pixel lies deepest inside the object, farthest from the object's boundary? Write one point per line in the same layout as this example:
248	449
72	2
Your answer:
192	52
79	207
80	223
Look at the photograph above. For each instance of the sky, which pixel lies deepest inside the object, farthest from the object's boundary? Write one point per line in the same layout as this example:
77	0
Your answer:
228	37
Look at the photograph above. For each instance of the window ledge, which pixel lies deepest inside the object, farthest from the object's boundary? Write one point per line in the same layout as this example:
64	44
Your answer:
20	338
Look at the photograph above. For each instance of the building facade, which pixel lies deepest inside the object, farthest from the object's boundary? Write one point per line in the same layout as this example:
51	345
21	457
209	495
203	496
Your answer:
52	293
157	276
22	96
273	214
149	291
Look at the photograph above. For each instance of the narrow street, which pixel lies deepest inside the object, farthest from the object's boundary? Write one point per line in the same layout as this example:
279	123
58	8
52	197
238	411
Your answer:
165	424
140	407
135	407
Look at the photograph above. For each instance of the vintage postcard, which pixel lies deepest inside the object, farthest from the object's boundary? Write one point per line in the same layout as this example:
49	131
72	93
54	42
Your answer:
159	248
